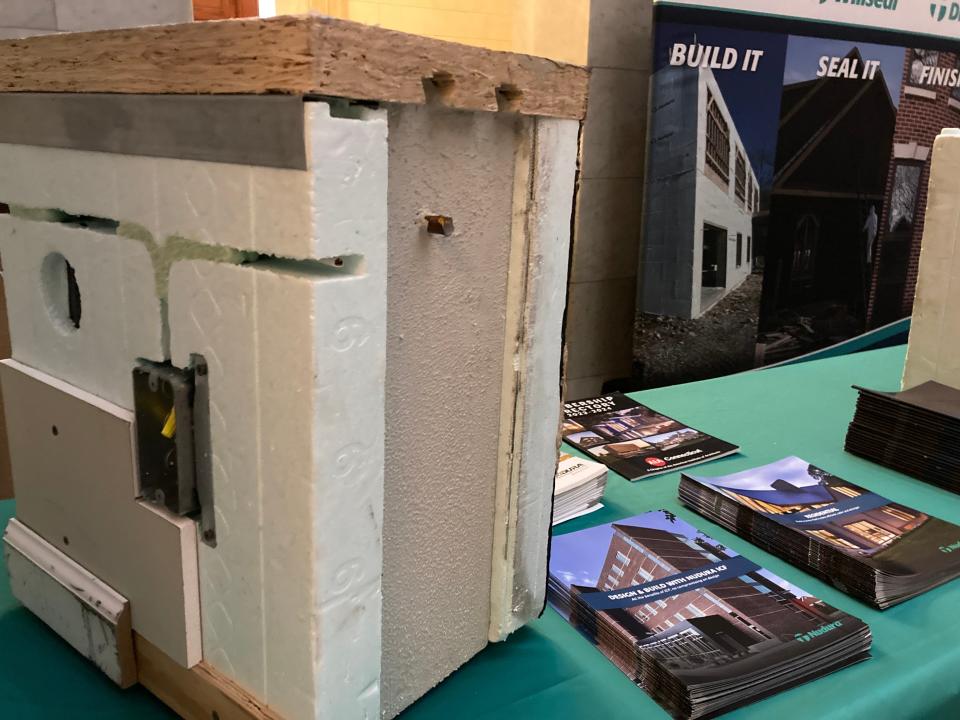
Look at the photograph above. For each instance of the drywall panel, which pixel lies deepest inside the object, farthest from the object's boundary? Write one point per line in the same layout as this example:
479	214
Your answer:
72	455
443	388
932	350
291	593
78	606
119	310
532	379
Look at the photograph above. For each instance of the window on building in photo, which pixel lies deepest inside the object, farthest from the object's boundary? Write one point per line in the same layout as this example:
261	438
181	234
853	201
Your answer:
874	533
741	177
903	199
844	490
922	57
718	140
833	539
899	514
739	249
805	238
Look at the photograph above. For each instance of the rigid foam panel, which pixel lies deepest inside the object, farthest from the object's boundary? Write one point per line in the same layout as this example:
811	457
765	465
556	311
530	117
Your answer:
315	213
120	317
74	472
932	353
445	356
533	357
291	594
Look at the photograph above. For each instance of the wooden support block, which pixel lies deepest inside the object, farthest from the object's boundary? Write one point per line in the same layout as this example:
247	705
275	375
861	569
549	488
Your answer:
200	693
78	606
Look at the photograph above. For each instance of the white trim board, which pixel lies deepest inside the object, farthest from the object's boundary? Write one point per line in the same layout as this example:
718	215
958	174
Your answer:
77	605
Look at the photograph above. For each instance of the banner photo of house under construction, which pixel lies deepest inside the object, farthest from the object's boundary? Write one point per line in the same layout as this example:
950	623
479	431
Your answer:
787	172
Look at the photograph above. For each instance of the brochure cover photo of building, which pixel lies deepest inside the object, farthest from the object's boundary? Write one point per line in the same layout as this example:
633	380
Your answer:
697	626
635	440
867	545
788	159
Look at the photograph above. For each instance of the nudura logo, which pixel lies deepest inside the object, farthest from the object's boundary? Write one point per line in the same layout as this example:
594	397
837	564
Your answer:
874	4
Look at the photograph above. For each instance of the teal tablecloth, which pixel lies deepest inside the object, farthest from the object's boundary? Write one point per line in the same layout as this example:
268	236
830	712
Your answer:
547	670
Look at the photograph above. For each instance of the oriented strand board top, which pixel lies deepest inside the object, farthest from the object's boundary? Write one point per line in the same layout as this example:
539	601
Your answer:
296	55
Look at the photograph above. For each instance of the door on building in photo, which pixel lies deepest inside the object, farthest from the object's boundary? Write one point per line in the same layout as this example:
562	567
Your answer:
714	257
224	9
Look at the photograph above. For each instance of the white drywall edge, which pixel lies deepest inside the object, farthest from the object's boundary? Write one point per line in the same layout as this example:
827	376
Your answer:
531	393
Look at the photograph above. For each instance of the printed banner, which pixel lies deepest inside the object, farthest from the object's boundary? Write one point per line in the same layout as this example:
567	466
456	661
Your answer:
913	16
787	173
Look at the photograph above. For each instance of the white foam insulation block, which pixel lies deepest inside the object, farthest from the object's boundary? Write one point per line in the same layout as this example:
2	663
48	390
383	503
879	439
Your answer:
78	606
119	310
321	212
933	352
442	467
444	502
72	456
291	593
347	481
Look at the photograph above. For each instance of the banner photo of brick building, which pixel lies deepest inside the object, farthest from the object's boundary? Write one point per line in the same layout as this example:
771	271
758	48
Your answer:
787	166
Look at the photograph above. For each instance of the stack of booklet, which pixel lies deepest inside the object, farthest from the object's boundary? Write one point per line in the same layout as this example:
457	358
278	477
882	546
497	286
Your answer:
867	546
578	488
916	432
700	628
634	440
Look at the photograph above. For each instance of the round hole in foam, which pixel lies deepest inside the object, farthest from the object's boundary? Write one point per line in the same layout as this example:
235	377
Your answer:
61	293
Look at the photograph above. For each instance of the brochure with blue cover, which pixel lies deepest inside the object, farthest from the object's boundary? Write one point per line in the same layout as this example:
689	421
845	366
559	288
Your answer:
699	627
863	543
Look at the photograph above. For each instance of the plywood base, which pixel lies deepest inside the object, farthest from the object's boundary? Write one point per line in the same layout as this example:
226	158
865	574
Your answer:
199	693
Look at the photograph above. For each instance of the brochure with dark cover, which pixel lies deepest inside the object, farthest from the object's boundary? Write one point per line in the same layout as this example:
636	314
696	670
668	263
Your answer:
877	550
916	432
700	628
635	440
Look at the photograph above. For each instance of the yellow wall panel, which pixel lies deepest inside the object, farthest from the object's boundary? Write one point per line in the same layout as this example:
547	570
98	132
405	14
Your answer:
556	29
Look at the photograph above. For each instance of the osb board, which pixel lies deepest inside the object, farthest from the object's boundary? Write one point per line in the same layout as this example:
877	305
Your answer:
298	55
73	470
